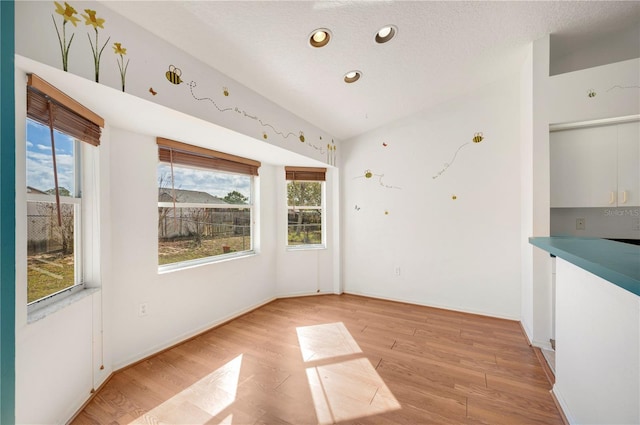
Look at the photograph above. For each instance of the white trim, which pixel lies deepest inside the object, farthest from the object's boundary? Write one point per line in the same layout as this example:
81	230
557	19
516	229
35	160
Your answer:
305	207
204	205
593	123
440	306
546	345
306	247
563	404
79	292
184	265
323	218
36	197
304	294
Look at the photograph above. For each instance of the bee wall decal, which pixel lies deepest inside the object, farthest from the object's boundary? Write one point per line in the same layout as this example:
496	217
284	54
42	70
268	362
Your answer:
368	174
302	137
454	197
477	138
264	135
174	74
591	93
225	91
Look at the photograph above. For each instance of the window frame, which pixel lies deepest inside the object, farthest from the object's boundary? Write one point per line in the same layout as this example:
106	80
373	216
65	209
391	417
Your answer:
197	158
78	247
85	128
323	217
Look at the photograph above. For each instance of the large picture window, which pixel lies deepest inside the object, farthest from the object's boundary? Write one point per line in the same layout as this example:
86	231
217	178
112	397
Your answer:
205	204
305	196
56	128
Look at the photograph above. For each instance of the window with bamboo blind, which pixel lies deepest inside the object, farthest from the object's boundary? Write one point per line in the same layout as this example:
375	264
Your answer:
205	204
305	206
59	130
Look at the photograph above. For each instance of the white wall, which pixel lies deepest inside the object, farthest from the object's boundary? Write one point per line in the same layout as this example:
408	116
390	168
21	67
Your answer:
526	190
568	93
183	302
461	254
315	271
538	320
598	348
621	223
621	45
67	344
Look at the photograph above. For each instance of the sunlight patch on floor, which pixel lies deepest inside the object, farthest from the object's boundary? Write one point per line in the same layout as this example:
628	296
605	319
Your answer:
326	341
342	388
201	401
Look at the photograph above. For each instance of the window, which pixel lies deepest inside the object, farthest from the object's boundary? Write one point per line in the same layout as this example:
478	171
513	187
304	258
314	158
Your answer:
56	128
305	200
205	205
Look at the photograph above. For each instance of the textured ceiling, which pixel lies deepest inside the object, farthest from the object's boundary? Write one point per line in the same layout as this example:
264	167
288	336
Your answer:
442	49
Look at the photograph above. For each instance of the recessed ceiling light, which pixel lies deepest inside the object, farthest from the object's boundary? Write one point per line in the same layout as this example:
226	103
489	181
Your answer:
320	37
386	33
352	76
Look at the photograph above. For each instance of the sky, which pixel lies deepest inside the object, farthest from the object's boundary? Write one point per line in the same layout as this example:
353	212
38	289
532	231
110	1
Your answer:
215	183
40	167
40	160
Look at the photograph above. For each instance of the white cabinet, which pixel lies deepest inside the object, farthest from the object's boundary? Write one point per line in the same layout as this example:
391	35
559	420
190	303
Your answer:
595	166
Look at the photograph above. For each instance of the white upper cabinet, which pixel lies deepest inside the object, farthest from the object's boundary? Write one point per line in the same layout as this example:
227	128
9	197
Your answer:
583	167
629	164
595	166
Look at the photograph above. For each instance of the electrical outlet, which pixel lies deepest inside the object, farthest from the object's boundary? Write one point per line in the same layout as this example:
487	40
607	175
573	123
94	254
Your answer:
580	224
143	309
397	271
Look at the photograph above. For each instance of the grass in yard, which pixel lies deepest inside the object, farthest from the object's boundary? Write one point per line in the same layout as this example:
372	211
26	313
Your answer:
47	274
305	238
185	250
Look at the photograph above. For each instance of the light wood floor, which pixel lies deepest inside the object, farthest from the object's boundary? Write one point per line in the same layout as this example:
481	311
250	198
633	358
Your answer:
337	359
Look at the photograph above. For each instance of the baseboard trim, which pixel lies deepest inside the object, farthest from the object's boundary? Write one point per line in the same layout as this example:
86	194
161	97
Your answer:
551	377
93	393
154	351
304	294
524	332
438	306
556	399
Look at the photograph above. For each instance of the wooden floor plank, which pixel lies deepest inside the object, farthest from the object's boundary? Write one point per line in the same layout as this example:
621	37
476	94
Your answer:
336	359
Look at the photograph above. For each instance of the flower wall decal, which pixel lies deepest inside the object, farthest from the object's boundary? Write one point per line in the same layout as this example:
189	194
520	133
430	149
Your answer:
95	22
122	66
68	15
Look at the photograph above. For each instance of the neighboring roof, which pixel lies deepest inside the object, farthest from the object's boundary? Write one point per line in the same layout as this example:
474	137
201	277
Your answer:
35	191
188	196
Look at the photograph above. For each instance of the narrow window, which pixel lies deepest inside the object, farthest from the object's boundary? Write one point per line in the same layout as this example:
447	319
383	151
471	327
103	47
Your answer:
56	128
205	205
305	206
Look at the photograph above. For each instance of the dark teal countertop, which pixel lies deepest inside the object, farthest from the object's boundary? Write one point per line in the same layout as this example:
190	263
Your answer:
617	262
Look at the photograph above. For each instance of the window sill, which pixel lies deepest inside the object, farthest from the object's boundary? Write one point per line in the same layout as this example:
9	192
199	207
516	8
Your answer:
43	312
293	248
185	265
